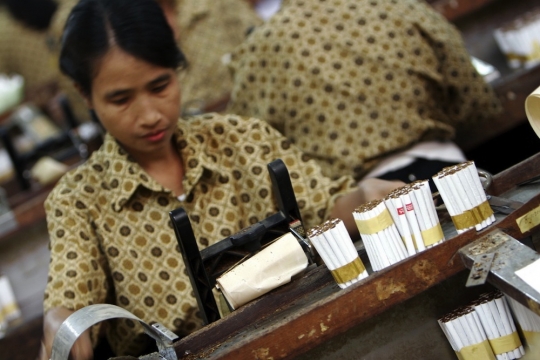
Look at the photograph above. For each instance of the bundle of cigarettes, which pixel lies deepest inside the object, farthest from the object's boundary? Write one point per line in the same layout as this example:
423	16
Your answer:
462	192
381	239
465	334
529	322
413	211
335	246
498	324
519	40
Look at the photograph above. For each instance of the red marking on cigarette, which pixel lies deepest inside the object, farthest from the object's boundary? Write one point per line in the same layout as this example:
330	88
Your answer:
400	211
409	207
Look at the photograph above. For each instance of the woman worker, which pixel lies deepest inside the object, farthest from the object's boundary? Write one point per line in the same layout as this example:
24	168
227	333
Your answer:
111	240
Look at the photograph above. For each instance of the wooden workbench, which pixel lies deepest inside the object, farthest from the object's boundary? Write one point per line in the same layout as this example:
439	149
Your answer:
313	309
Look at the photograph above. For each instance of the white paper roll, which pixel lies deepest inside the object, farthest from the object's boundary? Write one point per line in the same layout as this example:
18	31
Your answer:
271	267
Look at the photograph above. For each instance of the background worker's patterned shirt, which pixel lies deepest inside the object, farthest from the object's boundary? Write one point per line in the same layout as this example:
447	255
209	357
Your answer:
351	81
108	220
24	51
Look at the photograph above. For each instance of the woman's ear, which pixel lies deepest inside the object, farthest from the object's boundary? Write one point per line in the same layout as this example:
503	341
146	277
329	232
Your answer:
84	95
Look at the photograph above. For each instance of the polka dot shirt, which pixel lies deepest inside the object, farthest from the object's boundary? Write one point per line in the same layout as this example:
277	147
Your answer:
351	81
108	220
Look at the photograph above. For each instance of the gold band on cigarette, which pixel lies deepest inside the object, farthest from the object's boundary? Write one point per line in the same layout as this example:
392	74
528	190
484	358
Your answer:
533	339
473	216
432	235
480	351
505	343
9	309
413	241
523	58
348	272
378	223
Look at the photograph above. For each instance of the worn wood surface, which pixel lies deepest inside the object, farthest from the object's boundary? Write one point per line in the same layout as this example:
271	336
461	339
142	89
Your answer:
313	309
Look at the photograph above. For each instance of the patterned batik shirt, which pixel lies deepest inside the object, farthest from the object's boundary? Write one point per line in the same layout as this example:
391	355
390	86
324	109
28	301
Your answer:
108	220
24	51
352	81
209	31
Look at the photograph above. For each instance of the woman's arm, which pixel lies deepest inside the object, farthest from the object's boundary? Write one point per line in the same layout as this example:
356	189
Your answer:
76	275
82	348
368	190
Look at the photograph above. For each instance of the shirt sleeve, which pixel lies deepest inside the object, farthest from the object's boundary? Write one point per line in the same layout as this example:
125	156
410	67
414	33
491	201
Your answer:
77	269
315	193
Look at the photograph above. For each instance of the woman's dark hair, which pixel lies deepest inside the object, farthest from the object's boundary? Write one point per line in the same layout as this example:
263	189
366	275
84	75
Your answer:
138	27
36	14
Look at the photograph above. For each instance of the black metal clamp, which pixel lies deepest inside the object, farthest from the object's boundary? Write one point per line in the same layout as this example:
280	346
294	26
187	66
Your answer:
206	265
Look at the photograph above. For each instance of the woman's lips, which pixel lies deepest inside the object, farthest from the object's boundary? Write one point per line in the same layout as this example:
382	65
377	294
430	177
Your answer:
157	136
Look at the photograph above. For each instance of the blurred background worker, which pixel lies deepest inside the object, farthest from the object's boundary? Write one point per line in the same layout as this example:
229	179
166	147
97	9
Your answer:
23	46
368	88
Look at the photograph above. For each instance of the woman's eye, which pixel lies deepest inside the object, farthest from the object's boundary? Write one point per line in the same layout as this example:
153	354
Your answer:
159	88
120	101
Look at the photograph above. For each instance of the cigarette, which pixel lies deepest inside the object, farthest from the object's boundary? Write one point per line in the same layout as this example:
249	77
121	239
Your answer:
410	214
377	228
528	321
404	228
333	243
497	320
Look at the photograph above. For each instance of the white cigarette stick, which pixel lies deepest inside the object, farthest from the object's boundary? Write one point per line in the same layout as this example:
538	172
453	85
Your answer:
336	251
368	243
405	231
412	219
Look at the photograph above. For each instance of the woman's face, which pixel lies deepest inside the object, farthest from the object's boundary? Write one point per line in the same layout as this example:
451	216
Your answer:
137	102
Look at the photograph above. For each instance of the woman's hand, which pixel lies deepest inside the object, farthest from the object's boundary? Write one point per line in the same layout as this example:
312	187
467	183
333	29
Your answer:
368	190
81	350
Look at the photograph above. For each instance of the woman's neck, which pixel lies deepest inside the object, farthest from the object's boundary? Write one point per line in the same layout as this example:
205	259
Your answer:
166	168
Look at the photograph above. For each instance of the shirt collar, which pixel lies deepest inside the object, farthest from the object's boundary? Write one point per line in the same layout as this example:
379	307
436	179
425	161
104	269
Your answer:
197	162
121	167
194	149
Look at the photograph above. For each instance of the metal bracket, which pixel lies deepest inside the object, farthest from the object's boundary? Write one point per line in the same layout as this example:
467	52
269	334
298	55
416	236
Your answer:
83	319
480	270
206	265
509	255
503	205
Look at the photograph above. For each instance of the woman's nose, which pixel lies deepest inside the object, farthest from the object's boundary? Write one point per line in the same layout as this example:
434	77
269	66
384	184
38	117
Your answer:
147	112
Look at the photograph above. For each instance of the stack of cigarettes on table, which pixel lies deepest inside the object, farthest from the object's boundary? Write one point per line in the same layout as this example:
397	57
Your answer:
413	211
462	192
399	226
497	321
519	40
483	330
335	246
382	241
465	334
529	322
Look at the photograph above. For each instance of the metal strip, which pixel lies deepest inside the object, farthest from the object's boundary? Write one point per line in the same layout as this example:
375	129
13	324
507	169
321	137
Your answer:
83	319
